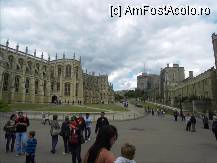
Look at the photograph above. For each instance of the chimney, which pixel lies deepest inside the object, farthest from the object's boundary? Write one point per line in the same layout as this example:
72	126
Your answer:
168	65
191	75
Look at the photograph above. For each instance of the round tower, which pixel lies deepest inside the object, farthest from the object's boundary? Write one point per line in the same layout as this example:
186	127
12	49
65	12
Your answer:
214	42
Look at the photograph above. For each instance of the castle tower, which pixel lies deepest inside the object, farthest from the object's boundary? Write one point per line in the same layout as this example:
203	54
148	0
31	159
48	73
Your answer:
214	42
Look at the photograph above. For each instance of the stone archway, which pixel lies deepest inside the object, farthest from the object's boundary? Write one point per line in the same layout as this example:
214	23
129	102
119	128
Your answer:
54	99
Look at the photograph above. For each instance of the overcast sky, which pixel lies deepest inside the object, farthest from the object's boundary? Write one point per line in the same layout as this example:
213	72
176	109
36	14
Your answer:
117	46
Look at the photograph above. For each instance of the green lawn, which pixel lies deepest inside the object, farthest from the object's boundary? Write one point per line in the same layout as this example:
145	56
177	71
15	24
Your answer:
112	107
63	108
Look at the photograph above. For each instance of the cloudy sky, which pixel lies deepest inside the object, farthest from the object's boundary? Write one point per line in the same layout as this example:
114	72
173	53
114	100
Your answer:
117	46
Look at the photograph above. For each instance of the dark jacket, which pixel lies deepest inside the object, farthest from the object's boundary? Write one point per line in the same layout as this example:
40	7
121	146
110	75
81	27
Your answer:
21	124
214	126
102	121
65	130
193	120
81	123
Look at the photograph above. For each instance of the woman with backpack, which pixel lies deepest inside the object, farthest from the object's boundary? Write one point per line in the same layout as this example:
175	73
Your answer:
10	133
75	140
100	150
54	131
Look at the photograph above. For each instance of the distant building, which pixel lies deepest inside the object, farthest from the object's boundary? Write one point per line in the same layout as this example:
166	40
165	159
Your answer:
203	86
97	89
169	77
147	81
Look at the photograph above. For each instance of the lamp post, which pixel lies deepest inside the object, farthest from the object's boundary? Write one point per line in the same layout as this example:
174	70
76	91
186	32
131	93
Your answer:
180	105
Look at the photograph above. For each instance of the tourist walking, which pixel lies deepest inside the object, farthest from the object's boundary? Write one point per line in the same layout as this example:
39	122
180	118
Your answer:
127	154
81	123
175	115
152	112
75	140
65	133
21	122
182	115
100	151
54	131
102	121
10	133
205	122
188	123
193	123
214	126
88	124
30	147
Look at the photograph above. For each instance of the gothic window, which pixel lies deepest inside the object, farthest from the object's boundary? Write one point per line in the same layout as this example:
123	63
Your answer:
59	71
67	89
52	86
45	68
58	86
10	59
44	74
1	55
29	65
44	88
52	73
76	90
6	82
27	85
18	67
76	72
17	83
36	87
20	61
68	71
37	66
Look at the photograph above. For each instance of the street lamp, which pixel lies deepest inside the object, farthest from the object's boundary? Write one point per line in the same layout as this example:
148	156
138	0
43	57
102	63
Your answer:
180	105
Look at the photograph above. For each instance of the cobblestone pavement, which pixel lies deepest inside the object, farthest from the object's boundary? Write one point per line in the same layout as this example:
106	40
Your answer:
158	140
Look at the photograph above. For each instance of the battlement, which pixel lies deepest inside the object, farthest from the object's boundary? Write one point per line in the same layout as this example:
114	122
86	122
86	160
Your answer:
33	56
214	36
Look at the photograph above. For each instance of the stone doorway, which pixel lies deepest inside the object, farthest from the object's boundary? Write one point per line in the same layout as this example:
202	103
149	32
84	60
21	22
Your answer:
54	99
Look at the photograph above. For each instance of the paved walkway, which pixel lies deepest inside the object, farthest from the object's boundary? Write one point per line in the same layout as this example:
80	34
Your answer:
157	140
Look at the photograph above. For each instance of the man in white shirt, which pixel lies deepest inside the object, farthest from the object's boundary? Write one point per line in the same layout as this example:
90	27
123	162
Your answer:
88	124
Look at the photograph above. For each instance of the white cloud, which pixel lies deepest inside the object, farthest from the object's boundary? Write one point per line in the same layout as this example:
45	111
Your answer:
116	46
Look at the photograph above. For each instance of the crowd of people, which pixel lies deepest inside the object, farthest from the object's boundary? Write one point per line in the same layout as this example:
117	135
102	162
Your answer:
74	131
189	119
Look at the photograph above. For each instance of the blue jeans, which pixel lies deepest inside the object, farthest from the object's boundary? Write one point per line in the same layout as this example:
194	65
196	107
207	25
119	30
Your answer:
10	137
21	139
54	142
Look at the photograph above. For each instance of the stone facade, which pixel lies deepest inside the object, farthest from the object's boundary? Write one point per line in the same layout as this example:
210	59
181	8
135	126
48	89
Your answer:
147	81
203	86
97	89
169	77
29	79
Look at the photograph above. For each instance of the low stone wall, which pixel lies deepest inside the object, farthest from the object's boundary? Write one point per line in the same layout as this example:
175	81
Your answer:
113	116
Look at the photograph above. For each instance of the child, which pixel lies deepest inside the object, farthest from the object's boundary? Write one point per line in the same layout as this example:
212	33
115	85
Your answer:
30	148
127	154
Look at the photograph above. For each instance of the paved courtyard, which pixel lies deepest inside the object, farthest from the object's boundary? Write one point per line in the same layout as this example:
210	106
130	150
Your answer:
157	140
